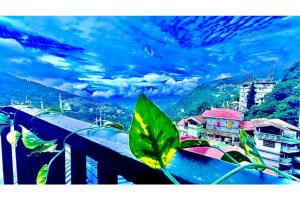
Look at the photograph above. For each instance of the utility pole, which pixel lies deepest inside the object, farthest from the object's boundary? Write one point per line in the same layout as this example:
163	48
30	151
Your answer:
42	103
60	101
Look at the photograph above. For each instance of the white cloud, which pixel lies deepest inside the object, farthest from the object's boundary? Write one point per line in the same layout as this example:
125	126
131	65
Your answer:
105	94
56	61
11	43
20	60
80	86
155	77
223	75
94	68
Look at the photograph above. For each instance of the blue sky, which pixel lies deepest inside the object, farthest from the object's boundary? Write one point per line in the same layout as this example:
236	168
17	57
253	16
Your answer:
160	56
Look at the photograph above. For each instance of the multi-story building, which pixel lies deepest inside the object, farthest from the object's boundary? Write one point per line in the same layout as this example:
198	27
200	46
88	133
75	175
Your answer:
278	142
261	87
223	123
192	126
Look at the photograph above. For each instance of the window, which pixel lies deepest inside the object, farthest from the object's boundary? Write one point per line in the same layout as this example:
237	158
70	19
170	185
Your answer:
267	143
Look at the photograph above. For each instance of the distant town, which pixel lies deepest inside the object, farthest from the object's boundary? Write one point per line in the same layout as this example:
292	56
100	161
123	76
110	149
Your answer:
276	140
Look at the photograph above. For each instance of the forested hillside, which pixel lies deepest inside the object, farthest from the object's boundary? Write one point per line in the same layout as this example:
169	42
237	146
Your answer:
283	102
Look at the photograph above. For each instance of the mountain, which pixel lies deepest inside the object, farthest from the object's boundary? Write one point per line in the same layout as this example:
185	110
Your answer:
204	96
284	100
16	89
215	93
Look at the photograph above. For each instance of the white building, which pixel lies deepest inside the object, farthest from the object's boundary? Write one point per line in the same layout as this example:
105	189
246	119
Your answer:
278	142
192	126
262	87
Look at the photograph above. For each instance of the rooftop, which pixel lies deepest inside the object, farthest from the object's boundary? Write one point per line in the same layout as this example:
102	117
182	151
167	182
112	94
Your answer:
222	113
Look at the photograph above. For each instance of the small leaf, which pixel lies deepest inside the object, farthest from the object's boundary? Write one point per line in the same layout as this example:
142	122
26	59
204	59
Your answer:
238	156
153	138
41	178
31	141
115	125
249	147
47	147
3	118
66	107
193	143
13	137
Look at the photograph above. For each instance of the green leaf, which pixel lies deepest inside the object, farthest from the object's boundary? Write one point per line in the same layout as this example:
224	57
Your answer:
153	138
31	141
249	147
13	137
47	147
238	156
3	118
115	125
66	107
53	109
41	178
193	143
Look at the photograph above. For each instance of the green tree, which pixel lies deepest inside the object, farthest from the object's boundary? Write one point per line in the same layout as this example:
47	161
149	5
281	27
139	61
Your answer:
251	97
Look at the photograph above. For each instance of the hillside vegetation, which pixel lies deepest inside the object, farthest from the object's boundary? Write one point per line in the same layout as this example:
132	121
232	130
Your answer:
283	101
16	89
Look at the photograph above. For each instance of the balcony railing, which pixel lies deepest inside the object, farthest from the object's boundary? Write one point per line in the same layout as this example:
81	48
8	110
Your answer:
286	161
267	136
294	149
113	156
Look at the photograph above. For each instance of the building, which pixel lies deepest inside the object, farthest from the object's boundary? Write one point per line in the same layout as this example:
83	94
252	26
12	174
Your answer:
192	126
223	123
278	142
261	88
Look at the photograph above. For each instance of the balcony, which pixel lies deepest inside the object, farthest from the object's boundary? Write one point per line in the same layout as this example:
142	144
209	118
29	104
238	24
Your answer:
293	149
286	161
267	136
112	155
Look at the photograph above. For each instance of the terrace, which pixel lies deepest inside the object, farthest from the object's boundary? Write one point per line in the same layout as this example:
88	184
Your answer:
111	153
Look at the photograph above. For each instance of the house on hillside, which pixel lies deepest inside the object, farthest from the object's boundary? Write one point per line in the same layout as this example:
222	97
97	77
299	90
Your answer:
223	123
192	126
278	142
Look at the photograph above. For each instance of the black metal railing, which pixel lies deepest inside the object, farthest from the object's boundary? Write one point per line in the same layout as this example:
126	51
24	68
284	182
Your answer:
111	150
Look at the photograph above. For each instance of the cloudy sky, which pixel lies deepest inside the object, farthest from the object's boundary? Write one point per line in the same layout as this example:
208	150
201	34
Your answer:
161	56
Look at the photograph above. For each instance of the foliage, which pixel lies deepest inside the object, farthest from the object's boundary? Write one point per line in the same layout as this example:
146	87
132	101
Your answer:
115	125
3	118
251	96
13	137
238	156
36	144
193	143
41	178
283	102
248	145
153	138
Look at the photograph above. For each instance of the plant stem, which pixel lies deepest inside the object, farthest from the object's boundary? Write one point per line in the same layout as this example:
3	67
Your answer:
227	154
64	142
170	176
251	166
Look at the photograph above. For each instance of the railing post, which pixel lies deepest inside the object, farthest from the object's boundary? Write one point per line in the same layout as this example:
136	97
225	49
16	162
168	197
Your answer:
7	157
106	175
78	167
